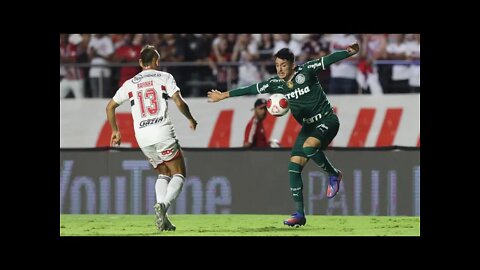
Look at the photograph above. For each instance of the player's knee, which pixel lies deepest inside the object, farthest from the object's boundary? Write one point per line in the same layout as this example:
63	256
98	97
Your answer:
295	168
299	160
310	151
312	142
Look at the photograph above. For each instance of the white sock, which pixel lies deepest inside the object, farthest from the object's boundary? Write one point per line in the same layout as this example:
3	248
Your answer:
174	188
161	187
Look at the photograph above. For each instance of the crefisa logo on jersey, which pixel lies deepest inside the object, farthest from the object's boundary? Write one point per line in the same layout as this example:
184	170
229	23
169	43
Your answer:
297	93
300	79
149	122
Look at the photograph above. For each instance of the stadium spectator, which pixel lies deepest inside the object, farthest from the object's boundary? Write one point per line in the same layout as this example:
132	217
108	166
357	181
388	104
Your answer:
254	131
74	76
343	74
218	56
216	47
374	49
100	51
412	42
265	50
128	52
173	48
198	51
63	44
285	40
246	52
396	50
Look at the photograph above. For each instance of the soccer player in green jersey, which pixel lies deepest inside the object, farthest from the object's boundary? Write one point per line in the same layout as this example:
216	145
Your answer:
310	107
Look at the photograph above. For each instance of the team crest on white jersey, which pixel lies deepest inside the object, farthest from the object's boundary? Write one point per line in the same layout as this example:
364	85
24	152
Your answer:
137	78
300	79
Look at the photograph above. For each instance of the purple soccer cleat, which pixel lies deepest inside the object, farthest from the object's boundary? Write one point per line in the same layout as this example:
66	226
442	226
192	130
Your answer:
296	219
334	185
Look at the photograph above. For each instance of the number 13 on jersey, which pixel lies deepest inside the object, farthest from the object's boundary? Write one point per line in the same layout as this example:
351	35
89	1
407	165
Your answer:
151	95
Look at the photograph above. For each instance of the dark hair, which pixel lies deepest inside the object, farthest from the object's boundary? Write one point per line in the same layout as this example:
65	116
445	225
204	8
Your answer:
285	54
148	54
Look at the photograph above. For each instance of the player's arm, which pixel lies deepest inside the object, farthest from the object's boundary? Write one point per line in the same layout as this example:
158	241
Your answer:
184	109
325	61
116	136
340	55
258	88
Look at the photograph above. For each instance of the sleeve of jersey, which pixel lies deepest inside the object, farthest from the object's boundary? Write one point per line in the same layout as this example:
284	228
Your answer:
258	88
334	57
172	86
121	95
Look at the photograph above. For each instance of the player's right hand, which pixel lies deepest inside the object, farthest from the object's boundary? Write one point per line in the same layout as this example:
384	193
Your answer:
193	124
214	95
116	138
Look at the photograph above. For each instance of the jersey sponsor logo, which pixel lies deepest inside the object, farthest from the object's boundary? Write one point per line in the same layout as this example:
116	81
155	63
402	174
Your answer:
263	88
315	65
167	152
137	78
153	75
300	79
313	119
322	127
298	92
275	80
149	122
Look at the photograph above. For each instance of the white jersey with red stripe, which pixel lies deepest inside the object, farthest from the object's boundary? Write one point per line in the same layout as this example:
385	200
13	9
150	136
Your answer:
147	93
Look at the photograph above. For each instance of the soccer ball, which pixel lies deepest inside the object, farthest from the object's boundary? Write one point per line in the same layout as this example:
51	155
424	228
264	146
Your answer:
277	105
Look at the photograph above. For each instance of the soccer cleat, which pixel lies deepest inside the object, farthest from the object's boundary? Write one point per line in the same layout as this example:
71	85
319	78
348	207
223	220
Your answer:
296	219
334	185
169	226
160	212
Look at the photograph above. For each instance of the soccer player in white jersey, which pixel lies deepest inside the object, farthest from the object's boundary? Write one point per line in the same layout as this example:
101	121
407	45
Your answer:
147	93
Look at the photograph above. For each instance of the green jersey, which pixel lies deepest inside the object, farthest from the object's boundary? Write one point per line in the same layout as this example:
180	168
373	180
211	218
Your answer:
307	100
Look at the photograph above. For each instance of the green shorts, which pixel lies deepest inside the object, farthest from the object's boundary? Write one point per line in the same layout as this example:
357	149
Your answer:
325	130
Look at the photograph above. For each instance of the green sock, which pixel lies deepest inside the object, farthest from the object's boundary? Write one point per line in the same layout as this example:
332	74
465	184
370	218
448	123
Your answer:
320	159
296	185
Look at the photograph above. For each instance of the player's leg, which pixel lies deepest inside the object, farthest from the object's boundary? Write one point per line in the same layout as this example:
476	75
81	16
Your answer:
160	185
164	177
318	140
173	158
298	160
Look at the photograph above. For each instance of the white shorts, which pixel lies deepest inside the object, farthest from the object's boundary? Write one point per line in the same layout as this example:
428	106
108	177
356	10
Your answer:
162	151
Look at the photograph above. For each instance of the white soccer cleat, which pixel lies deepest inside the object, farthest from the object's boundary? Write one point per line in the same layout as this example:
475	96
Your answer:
160	212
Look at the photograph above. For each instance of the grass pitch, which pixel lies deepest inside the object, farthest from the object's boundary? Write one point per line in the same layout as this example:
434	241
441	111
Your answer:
238	225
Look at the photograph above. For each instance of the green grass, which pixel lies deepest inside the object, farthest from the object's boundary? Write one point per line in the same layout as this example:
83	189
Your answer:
238	225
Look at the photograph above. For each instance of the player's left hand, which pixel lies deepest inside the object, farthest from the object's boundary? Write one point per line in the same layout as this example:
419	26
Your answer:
116	138
353	49
214	95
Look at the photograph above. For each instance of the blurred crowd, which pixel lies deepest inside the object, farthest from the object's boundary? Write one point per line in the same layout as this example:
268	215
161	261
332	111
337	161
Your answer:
96	65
